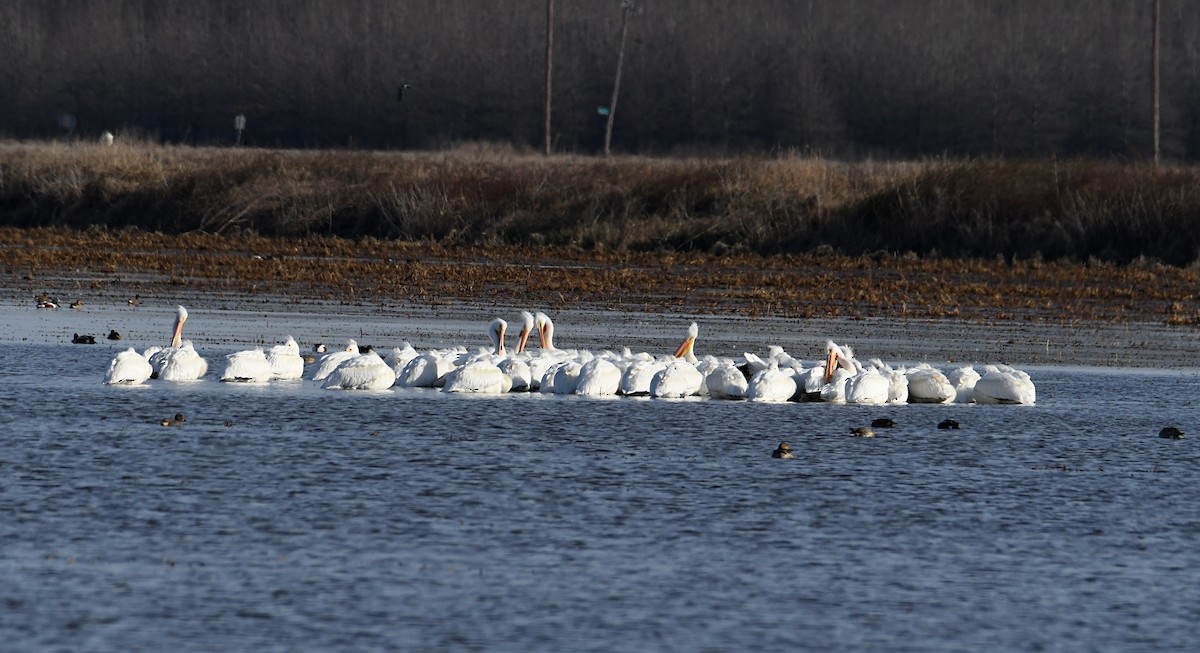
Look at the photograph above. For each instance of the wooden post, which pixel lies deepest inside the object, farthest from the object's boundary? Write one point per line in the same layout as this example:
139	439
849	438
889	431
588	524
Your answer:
1155	42
626	5
549	68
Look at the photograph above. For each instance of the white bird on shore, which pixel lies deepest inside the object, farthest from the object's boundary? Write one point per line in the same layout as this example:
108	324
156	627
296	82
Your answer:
481	374
726	381
771	385
927	385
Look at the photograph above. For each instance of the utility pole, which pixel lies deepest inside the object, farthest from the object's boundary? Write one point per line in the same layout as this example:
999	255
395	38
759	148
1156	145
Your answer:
626	5
1155	63
549	67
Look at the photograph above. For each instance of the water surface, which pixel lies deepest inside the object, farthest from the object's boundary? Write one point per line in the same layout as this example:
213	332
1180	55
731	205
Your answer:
290	518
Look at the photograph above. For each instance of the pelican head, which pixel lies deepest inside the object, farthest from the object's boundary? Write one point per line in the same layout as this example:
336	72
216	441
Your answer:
834	356
181	316
496	334
545	329
526	329
685	348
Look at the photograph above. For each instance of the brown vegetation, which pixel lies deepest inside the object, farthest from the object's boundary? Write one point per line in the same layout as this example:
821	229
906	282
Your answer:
1076	211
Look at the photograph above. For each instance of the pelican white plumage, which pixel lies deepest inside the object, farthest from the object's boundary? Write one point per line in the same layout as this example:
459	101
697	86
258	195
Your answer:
363	372
249	366
928	385
1001	384
179	362
428	370
285	360
598	377
771	385
635	381
680	378
863	385
128	368
480	374
963	379
726	381
330	361
897	381
399	357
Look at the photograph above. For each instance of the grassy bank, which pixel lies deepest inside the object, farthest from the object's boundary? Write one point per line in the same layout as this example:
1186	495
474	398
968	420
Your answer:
1052	210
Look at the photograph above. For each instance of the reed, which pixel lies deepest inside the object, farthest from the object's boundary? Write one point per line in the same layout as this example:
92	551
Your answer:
1075	210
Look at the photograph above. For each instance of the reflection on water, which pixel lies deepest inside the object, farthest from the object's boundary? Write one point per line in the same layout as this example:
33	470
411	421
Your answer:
290	518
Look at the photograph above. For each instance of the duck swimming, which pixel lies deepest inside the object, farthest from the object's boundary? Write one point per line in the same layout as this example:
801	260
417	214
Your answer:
783	451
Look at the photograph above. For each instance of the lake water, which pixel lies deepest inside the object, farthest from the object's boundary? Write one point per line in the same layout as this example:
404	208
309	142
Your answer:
290	518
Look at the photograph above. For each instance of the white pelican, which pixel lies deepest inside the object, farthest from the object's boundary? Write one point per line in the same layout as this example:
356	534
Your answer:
363	372
428	370
285	360
726	381
128	368
927	385
527	326
680	378
598	377
480	374
249	366
329	362
562	378
1001	384
771	385
897	382
179	362
635	381
963	379
840	368
399	357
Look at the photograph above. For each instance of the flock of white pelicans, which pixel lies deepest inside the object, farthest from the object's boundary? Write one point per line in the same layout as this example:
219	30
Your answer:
773	377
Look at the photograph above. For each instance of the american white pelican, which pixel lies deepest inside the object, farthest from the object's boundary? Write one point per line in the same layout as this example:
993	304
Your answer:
861	385
285	360
1001	384
927	385
598	377
399	357
635	381
480	374
783	451
726	381
179	362
363	372
249	366
527	326
678	379
428	370
562	378
771	385
128	368
330	361
963	379
897	381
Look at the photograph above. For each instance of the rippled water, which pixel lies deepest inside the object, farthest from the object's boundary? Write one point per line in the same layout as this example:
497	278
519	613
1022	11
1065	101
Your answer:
288	518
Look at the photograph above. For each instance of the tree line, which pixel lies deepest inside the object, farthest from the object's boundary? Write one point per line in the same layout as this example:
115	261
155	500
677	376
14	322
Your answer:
856	78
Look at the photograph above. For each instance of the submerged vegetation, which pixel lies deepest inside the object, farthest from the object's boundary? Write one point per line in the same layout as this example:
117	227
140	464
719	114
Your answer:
1075	210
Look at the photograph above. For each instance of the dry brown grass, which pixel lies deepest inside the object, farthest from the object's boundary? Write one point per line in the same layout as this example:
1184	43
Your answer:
1042	210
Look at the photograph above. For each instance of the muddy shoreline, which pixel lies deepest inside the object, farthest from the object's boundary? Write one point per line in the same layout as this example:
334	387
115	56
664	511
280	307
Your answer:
941	311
